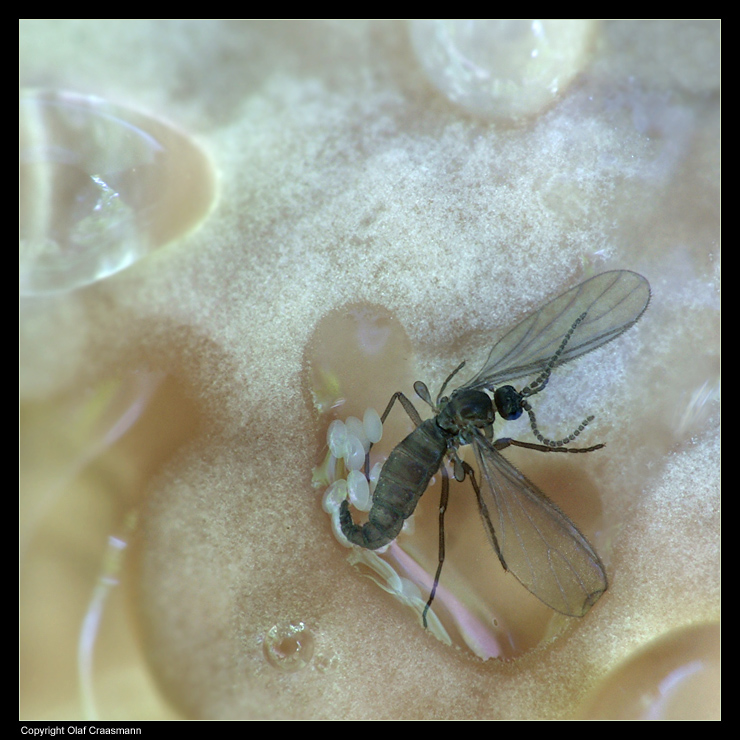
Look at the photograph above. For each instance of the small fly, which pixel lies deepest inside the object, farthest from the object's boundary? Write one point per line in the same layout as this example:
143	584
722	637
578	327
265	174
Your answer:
532	537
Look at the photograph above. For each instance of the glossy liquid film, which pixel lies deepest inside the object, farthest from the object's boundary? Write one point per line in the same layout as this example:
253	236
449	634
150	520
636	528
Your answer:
100	187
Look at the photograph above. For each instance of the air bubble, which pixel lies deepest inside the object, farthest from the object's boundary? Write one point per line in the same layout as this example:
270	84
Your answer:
100	187
502	68
288	647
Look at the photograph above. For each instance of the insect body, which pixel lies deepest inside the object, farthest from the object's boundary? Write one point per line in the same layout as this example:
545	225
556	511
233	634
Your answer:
532	537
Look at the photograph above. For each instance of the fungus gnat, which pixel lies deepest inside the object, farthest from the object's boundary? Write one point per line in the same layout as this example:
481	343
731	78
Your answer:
532	537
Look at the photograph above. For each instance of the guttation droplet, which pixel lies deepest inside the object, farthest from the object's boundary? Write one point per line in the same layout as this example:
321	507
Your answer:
502	68
101	185
288	647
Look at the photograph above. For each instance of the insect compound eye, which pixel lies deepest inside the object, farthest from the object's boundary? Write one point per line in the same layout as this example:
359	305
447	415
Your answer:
508	402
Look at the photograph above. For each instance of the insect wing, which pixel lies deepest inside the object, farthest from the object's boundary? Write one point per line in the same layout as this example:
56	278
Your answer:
534	539
612	302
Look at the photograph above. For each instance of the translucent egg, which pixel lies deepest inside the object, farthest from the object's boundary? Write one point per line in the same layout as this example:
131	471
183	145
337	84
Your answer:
334	495
372	425
336	438
100	187
354	457
502	68
358	490
356	428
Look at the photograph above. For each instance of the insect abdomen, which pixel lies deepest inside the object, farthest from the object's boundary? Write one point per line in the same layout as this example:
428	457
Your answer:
403	479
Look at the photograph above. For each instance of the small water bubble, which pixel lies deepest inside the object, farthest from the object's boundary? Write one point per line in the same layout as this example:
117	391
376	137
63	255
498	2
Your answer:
288	647
100	187
326	663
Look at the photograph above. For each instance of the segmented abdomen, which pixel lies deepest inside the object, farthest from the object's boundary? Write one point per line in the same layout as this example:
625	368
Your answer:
403	479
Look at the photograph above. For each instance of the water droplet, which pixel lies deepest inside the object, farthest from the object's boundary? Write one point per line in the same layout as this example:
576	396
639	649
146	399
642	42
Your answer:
502	68
674	677
288	647
100	187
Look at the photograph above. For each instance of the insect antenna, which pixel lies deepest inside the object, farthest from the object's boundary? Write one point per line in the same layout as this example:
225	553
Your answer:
449	378
539	384
552	443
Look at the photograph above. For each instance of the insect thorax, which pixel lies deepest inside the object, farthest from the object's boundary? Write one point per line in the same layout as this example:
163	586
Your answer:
465	409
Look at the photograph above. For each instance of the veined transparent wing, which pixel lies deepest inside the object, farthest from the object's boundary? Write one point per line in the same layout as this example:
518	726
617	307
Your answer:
612	302
534	539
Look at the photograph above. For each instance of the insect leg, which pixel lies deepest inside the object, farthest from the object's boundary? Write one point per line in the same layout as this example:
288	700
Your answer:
504	442
408	407
485	516
442	509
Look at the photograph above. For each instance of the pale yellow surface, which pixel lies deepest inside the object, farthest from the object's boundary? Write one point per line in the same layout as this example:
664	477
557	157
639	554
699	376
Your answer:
345	177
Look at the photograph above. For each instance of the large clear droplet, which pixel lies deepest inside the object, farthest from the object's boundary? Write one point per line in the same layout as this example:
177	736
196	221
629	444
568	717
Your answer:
100	187
502	68
674	677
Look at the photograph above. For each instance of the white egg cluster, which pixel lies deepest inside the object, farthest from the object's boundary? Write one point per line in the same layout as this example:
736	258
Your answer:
349	443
